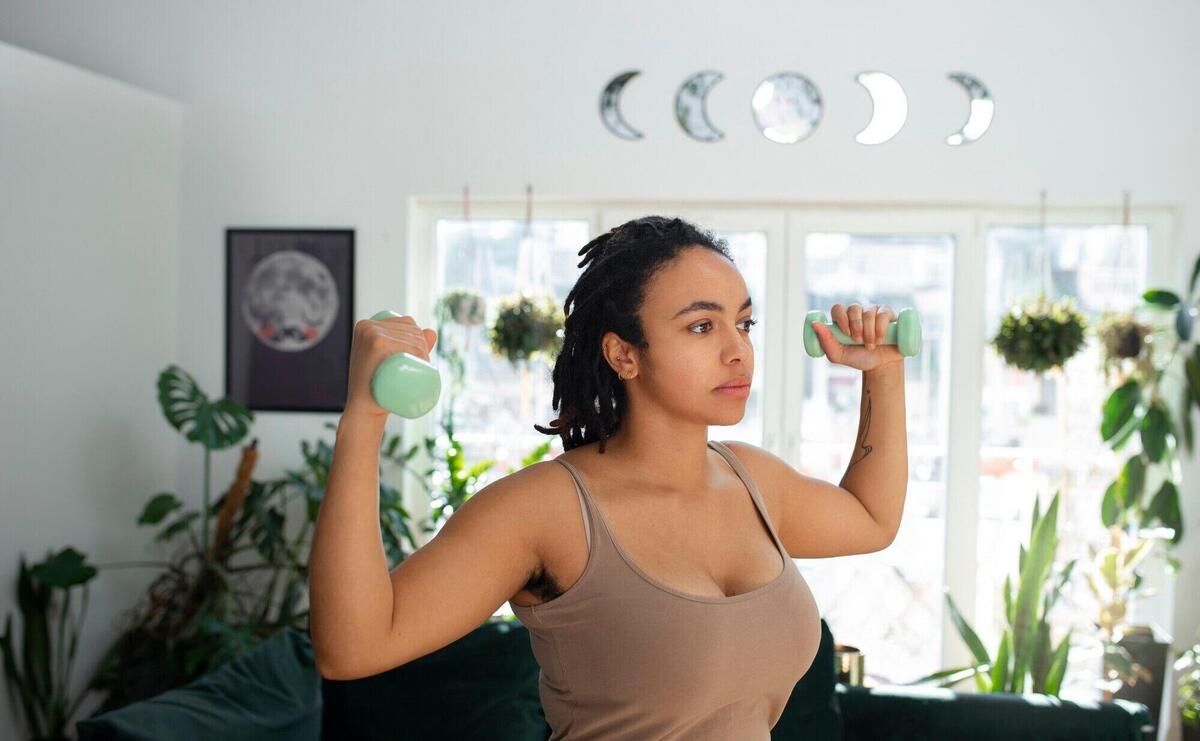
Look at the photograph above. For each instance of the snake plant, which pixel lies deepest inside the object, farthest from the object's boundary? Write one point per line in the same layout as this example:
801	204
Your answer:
1025	659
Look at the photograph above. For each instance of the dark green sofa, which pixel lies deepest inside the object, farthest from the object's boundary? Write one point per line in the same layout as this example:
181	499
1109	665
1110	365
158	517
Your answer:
484	686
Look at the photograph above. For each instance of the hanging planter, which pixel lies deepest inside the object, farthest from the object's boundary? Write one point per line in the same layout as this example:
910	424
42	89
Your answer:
1125	340
462	306
527	327
1040	335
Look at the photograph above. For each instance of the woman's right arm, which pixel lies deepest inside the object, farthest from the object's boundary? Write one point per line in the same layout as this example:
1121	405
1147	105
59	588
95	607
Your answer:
364	620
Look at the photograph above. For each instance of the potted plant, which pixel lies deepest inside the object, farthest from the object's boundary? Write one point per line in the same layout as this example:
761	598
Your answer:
1143	501
465	308
1039	335
1133	656
527	327
1025	653
1141	404
39	675
1188	664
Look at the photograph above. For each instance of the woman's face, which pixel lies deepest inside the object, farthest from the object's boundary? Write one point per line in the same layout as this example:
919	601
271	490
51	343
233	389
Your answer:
695	316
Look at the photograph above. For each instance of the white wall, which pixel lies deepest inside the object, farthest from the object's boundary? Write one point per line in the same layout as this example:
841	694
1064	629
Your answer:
313	114
89	295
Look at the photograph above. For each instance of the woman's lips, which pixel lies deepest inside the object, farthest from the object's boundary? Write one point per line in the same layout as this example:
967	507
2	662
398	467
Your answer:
741	391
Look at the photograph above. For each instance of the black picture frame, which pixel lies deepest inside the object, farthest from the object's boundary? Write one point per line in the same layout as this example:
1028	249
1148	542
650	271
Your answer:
289	317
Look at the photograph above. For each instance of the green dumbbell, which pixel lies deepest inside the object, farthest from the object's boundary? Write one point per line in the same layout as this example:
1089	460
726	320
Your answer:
905	333
404	384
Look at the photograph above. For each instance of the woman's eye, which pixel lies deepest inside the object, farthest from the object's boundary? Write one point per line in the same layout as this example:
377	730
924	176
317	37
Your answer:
750	322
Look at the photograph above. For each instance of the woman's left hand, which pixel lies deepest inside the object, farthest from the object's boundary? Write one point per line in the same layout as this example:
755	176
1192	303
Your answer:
868	326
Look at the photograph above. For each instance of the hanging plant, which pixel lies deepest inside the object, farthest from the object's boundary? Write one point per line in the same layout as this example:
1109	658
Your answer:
461	306
1040	335
1124	339
527	327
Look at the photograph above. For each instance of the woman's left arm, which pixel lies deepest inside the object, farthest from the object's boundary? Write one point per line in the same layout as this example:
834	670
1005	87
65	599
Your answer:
878	471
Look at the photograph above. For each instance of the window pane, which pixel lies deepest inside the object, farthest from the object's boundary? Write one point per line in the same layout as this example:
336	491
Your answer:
749	250
499	404
1039	435
888	604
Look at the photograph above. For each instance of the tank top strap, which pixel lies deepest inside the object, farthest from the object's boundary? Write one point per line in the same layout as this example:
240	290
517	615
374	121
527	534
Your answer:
585	501
755	495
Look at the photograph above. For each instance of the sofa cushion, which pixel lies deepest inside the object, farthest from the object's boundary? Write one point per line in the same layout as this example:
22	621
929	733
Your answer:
272	691
481	686
901	713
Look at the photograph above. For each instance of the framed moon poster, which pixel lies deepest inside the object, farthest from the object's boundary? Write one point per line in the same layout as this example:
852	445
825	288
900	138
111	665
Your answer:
289	318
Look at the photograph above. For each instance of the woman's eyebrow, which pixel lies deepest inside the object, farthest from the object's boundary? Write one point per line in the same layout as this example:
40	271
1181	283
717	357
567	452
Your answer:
706	305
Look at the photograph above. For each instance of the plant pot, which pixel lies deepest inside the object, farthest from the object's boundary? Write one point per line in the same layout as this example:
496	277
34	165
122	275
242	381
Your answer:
1148	646
1190	733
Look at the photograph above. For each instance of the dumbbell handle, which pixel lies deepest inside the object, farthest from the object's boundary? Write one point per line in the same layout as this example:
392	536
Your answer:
889	337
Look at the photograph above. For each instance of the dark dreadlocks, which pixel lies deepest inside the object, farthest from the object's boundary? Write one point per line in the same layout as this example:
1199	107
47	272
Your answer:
588	394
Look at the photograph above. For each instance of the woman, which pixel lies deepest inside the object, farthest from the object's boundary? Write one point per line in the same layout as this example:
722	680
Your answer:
651	565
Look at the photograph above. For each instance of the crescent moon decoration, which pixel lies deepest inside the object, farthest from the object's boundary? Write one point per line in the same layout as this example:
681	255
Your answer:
610	106
787	107
690	106
890	107
982	110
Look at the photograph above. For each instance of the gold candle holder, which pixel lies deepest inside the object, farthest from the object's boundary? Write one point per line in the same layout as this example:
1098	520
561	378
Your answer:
848	663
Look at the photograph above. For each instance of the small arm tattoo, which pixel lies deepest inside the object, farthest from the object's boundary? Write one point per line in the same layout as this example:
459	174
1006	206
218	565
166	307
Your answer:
866	427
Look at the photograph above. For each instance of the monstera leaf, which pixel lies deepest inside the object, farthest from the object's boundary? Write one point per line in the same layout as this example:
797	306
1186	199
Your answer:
215	425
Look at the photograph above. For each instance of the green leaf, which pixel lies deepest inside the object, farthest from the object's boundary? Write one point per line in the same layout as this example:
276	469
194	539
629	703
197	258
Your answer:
1041	655
1155	426
1008	603
1161	297
1191	367
1195	274
1118	408
65	569
966	672
1122	437
215	425
1110	507
1131	481
159	506
1032	577
1165	506
999	671
175	527
1185	419
13	674
969	636
1058	666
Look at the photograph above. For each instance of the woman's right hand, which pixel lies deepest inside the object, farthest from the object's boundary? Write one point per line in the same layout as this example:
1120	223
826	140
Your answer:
375	340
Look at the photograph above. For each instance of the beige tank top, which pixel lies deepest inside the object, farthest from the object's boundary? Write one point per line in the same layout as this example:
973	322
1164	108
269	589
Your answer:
623	656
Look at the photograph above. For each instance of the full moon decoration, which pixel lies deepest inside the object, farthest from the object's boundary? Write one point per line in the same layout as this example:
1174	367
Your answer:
787	107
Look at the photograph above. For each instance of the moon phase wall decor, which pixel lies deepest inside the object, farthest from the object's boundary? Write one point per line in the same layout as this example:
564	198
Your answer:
889	107
787	107
690	110
610	106
982	109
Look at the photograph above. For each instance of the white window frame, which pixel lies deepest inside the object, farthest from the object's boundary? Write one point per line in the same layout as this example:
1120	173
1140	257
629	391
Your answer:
786	224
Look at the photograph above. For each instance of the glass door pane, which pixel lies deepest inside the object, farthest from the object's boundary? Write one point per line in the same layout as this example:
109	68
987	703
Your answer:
889	604
1042	435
